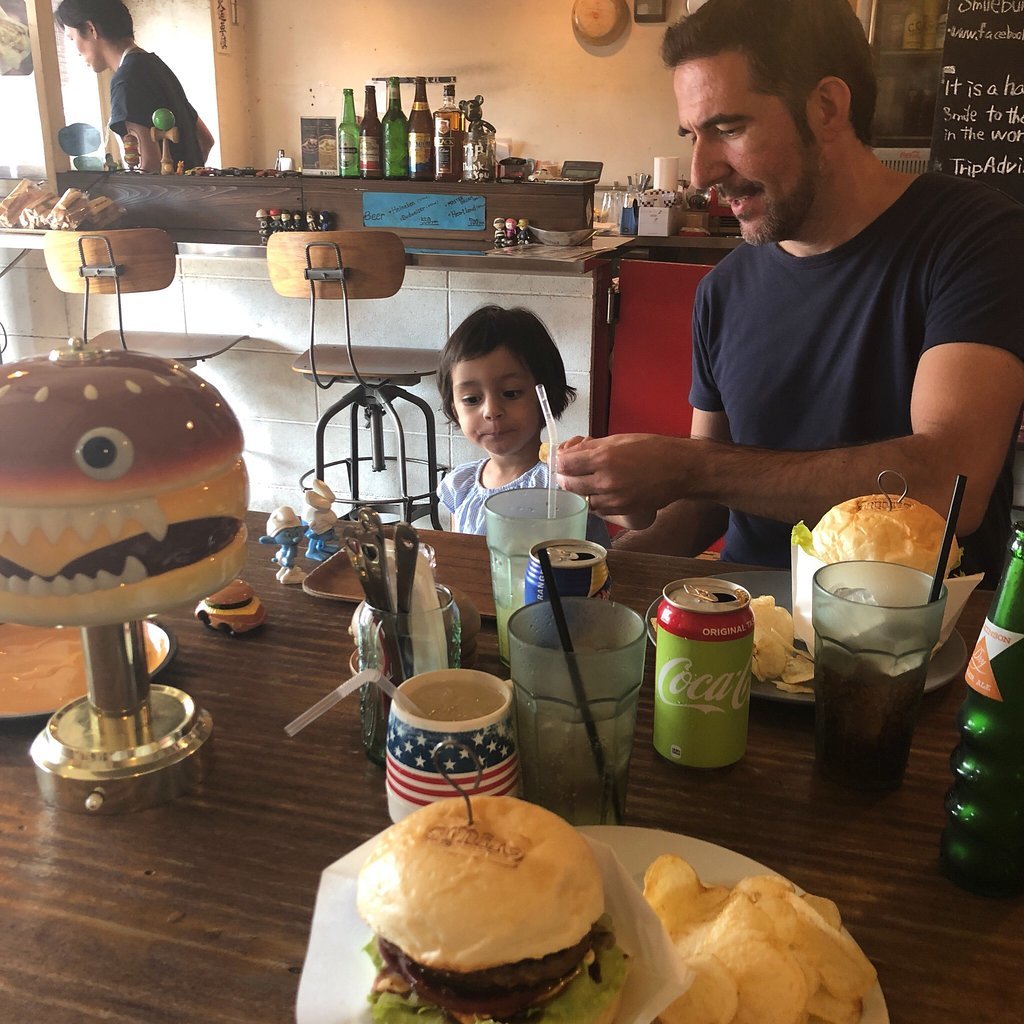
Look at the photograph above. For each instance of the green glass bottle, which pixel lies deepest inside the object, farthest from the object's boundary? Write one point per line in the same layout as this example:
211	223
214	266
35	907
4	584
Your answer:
982	846
348	138
395	132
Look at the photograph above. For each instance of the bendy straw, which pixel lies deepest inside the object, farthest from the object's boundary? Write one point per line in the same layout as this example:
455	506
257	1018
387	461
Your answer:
549	421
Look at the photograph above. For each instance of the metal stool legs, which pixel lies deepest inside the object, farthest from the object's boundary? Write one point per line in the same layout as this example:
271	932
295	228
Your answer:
375	400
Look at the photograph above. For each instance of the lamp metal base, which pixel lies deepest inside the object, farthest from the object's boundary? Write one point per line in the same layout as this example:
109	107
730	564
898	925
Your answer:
99	763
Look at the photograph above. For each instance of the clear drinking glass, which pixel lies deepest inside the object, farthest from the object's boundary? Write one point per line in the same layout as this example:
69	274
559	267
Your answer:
401	646
559	768
515	522
870	664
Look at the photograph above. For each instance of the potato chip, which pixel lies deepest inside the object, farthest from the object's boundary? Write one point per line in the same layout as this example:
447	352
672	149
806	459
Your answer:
827	1008
771	985
775	659
712	997
687	907
761	953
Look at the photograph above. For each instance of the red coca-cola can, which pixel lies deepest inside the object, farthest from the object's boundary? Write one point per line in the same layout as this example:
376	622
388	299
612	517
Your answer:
705	639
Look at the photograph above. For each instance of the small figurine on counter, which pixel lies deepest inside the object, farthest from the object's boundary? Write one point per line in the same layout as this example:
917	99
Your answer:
320	520
285	528
510	231
164	131
180	168
326	220
311	221
264	225
109	163
233	609
523	232
132	158
499	233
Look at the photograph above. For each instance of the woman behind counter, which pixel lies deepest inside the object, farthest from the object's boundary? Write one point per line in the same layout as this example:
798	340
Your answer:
103	33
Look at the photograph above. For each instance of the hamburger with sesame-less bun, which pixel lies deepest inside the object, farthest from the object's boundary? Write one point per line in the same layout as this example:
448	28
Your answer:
502	919
878	528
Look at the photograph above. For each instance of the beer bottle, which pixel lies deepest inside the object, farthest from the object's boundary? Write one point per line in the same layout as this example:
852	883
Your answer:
369	136
448	138
348	138
421	135
982	846
395	134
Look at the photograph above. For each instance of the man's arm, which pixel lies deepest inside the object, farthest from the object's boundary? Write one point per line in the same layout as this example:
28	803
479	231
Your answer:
204	137
964	408
149	151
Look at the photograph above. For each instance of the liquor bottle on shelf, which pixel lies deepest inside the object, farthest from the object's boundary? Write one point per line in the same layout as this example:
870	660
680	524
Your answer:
370	136
348	138
913	27
448	138
982	846
395	134
930	25
421	135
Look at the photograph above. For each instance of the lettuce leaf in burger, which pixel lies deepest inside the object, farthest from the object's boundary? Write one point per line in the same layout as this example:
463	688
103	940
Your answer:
501	920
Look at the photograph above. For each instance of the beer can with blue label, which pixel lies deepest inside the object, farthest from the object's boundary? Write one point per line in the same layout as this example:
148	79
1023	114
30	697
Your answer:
580	568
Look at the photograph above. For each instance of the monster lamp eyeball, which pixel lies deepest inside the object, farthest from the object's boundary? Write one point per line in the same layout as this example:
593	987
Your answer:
122	488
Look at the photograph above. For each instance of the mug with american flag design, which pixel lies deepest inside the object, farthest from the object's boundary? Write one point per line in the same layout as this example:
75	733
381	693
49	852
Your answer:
470	713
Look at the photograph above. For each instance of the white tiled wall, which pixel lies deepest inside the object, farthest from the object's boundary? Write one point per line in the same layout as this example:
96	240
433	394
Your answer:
277	407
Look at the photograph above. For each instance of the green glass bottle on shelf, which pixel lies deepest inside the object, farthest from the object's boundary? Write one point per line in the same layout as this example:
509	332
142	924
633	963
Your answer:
395	132
421	135
982	846
348	138
369	136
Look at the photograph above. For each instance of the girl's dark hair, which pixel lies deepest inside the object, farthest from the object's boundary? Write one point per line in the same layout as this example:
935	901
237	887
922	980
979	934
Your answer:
522	333
791	45
110	17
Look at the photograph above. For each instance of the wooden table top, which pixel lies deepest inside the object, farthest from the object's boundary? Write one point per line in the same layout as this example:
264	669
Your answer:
199	910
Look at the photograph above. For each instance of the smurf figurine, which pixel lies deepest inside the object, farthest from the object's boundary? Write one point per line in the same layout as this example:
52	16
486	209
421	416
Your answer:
320	521
285	529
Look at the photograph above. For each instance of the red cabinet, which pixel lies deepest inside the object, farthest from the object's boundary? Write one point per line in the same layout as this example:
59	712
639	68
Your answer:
650	359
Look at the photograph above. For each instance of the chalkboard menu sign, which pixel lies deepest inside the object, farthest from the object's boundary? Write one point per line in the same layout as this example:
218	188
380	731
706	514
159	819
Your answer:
979	117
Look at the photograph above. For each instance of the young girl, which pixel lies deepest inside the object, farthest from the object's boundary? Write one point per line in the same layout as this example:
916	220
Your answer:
487	377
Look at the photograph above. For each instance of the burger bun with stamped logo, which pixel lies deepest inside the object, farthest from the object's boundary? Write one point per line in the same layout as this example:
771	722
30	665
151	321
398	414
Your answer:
500	917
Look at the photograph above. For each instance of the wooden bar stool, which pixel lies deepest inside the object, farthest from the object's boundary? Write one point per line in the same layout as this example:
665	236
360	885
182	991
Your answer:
359	265
117	263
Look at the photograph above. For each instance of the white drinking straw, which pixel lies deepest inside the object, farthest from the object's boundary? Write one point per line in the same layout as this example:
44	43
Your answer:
549	421
339	693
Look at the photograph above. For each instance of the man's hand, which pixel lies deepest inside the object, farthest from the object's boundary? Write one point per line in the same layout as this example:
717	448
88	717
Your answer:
623	475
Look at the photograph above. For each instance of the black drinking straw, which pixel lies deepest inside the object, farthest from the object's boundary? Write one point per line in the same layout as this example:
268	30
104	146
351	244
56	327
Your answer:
947	537
574	670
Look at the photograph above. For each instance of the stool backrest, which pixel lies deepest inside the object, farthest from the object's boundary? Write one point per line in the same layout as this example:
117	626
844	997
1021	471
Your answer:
374	263
145	257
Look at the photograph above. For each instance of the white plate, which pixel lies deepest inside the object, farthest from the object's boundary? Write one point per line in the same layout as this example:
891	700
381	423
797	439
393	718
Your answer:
637	847
336	963
946	665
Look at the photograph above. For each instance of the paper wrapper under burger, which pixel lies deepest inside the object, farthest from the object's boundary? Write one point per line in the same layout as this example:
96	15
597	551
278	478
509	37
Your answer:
958	589
657	976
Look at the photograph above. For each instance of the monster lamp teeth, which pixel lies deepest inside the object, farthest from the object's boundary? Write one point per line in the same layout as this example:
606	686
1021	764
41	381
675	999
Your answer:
84	520
133	572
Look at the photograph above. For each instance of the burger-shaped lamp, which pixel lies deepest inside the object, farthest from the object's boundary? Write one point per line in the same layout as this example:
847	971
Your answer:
122	494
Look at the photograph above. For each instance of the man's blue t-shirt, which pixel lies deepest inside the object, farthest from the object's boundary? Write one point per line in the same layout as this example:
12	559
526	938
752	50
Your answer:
816	352
142	84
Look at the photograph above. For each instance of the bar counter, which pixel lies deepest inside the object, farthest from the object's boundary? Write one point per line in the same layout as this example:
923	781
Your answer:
199	910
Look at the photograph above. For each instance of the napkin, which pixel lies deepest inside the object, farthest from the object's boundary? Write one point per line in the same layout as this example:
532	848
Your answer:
804	566
337	975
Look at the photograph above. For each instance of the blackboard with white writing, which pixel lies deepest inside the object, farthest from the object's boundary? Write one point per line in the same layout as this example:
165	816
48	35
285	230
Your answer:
979	117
